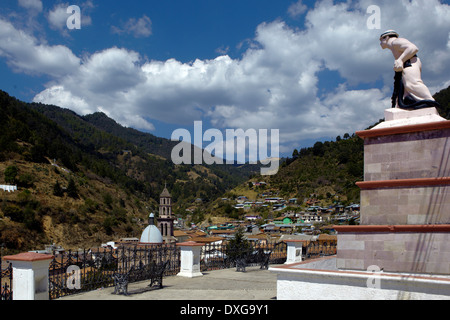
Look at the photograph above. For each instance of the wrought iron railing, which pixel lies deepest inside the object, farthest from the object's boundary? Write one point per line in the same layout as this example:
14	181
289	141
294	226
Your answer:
315	250
220	256
73	272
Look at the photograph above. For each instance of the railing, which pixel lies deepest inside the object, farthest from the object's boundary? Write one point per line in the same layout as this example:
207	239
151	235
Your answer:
218	256
6	283
74	272
87	270
314	250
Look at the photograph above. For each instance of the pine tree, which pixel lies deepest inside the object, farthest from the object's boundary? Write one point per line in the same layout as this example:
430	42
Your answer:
57	190
72	189
11	174
238	247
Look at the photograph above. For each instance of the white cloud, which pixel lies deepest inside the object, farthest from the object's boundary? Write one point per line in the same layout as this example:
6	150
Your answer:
274	85
139	28
297	8
57	17
32	5
24	53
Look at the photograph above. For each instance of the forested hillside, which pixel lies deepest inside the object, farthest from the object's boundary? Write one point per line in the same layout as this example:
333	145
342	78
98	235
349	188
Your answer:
84	180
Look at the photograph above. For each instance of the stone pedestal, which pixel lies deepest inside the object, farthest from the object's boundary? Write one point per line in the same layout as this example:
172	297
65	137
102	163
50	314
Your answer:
190	259
30	275
294	251
405	198
401	250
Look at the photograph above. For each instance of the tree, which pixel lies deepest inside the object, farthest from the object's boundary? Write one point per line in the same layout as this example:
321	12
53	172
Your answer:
108	200
318	149
57	190
11	174
72	189
238	247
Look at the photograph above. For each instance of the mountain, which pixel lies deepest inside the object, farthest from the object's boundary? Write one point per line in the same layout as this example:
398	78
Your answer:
87	180
147	156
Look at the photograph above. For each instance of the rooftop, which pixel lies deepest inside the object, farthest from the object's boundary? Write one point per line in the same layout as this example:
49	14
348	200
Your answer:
226	284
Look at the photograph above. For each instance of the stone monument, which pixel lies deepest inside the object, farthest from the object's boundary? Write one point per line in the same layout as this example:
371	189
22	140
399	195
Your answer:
404	233
409	90
405	196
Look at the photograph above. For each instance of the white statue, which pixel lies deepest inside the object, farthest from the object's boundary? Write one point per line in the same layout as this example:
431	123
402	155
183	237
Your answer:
409	66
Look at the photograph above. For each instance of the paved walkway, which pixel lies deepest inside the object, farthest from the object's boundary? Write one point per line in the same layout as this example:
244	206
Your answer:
227	284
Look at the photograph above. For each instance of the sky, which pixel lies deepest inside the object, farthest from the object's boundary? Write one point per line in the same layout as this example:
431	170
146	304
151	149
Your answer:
313	70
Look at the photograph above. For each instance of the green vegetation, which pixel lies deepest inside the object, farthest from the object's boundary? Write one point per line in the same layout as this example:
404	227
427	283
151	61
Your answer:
327	169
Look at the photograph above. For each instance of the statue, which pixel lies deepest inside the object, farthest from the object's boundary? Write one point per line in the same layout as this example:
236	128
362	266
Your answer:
409	90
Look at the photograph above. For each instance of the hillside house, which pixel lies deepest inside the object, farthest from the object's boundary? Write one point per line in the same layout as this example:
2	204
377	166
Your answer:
241	199
252	217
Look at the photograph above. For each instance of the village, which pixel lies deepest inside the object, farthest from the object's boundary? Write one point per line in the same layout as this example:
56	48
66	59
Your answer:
287	221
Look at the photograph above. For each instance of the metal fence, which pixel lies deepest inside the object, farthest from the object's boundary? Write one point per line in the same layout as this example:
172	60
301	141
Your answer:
73	272
315	250
220	256
6	282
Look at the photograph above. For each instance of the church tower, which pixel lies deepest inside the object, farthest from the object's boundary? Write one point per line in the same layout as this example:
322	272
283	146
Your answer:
165	220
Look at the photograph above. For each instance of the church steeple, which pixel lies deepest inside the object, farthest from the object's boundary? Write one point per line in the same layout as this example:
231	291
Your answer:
165	220
165	204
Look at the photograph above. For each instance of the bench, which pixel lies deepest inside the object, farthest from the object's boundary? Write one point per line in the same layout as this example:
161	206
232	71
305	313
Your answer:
259	256
121	282
154	272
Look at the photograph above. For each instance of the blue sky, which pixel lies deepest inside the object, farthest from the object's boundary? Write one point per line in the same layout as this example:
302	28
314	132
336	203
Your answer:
312	69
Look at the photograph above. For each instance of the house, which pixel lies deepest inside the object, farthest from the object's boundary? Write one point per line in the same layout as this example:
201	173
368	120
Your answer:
241	199
270	228
327	240
222	233
181	236
252	228
8	188
309	218
272	200
252	217
283	220
279	206
352	207
260	238
208	240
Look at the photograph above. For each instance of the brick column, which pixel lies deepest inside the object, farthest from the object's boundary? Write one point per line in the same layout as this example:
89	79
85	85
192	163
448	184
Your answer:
190	259
30	275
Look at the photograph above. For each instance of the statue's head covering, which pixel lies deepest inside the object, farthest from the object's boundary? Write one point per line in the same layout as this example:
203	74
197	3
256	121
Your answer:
389	33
